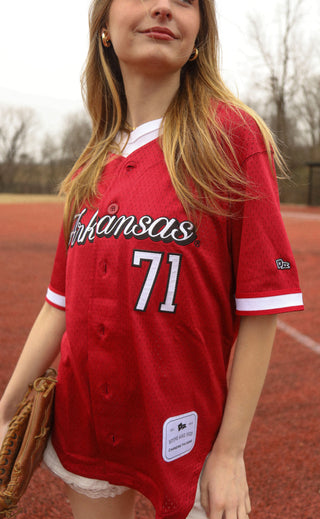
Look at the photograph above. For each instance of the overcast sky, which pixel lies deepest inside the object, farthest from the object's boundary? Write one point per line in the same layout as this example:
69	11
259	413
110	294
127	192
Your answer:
43	46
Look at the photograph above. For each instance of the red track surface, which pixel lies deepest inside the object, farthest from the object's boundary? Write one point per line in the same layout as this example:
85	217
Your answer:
283	452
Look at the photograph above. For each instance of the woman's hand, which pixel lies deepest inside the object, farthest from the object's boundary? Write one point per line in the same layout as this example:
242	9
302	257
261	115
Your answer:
39	352
224	488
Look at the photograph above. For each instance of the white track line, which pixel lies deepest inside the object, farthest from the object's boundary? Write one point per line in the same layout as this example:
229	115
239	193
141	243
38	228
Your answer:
301	216
303	339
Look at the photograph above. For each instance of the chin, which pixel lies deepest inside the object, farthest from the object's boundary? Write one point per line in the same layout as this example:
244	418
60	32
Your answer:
160	64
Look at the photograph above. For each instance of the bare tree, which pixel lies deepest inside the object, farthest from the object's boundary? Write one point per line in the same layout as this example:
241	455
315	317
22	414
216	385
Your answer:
282	61
16	125
50	150
76	134
309	111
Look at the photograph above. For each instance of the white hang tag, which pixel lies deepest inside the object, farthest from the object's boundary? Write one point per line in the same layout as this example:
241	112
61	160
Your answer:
179	435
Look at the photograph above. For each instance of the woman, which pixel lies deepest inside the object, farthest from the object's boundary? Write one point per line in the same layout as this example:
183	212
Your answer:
173	246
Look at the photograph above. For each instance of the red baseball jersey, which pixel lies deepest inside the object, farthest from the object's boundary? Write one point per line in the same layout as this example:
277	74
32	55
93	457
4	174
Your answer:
152	310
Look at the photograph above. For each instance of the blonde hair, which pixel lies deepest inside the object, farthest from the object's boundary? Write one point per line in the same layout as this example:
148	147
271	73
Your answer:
196	147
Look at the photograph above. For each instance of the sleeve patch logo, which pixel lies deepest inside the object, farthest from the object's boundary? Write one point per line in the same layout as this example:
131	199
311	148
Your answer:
283	265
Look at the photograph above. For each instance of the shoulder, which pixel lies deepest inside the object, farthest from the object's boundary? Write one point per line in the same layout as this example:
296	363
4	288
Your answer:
241	128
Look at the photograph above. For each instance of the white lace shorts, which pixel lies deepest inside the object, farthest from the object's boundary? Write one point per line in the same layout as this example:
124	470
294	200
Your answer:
96	488
93	488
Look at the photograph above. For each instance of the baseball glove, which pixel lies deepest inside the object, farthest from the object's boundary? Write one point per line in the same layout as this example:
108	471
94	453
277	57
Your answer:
25	441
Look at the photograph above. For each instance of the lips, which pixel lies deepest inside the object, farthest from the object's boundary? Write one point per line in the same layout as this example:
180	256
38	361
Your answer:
160	33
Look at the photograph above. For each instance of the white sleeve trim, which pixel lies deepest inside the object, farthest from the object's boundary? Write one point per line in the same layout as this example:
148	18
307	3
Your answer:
256	304
56	299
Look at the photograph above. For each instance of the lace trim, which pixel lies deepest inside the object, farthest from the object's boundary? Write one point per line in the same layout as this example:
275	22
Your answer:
93	488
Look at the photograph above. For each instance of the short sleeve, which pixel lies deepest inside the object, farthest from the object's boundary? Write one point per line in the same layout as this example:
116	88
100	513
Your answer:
56	290
264	267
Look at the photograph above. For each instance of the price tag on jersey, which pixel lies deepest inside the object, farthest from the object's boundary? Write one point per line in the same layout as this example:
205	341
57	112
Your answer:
179	435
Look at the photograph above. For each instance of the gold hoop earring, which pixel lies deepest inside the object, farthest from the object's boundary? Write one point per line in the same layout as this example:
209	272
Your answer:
106	42
194	55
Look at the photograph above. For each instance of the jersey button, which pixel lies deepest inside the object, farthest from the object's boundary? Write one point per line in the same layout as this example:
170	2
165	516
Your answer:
103	267
131	166
113	208
101	330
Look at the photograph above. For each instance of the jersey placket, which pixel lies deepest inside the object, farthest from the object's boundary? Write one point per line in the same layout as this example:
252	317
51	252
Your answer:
105	314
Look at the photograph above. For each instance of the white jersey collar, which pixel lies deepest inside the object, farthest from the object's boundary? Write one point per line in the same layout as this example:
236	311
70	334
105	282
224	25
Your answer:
142	135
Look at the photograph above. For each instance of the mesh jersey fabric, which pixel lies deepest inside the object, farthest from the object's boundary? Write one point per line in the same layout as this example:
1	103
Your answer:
152	311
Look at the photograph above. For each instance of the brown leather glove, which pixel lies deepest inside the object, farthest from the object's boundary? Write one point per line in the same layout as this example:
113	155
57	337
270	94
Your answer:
23	446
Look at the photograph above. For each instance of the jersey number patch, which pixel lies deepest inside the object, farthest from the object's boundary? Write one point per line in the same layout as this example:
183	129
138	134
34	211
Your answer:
155	260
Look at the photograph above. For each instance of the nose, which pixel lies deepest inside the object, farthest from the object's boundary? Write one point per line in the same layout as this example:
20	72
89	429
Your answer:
161	10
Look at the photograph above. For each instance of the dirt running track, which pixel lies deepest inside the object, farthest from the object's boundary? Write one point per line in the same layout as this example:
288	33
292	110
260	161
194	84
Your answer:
283	453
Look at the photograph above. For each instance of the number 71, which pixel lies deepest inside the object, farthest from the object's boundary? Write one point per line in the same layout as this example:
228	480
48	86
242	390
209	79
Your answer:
155	260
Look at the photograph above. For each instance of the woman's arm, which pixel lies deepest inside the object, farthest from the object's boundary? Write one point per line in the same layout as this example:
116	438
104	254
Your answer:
224	489
40	350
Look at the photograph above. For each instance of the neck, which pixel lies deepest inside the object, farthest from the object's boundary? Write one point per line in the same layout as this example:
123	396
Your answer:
148	97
